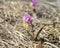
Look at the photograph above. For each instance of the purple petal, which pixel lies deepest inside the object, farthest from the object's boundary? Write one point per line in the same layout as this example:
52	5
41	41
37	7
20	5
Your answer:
27	18
35	3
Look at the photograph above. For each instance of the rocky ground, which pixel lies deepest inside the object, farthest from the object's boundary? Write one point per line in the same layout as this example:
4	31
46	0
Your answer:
12	33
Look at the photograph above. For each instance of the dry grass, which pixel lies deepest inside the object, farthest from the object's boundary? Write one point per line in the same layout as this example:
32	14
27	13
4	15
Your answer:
13	35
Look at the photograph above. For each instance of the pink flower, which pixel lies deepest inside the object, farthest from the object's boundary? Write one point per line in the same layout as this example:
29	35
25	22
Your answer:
27	18
35	3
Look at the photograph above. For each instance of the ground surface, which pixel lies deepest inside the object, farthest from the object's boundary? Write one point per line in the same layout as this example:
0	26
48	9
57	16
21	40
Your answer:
12	33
